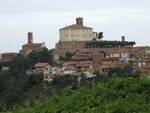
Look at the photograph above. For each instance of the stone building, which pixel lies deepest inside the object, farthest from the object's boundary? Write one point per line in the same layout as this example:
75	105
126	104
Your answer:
77	32
31	46
7	57
77	36
45	69
42	67
81	61
106	54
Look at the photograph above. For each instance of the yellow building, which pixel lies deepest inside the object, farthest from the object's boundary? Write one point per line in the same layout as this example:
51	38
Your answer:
77	32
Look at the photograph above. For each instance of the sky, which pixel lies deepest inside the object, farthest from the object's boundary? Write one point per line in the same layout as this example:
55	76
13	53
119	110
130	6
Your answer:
116	18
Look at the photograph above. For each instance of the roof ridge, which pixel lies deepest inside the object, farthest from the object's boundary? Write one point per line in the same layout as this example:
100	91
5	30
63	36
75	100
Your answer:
75	26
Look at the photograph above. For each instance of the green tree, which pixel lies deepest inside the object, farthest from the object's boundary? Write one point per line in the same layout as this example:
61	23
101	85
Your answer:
43	55
35	79
100	35
0	66
20	63
67	57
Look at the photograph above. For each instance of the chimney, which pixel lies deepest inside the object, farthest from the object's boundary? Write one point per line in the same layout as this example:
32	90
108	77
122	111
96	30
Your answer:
79	21
123	38
30	38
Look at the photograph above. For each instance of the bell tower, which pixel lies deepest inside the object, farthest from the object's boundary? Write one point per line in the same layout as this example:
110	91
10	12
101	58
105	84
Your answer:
79	21
30	38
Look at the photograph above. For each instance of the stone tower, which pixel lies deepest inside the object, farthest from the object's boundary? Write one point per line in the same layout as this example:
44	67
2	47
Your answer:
30	38
123	38
79	21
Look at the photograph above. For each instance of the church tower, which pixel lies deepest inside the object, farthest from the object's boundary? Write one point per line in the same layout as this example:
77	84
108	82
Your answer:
79	21
30	38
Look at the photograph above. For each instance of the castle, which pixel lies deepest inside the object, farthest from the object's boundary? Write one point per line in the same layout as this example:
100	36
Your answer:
77	32
90	52
78	36
105	54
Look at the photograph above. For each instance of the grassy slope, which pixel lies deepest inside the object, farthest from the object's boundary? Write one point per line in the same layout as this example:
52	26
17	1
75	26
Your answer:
117	95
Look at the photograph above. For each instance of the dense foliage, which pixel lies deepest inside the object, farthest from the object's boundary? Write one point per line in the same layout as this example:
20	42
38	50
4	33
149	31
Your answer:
41	56
124	71
19	89
22	63
109	44
67	57
115	95
16	88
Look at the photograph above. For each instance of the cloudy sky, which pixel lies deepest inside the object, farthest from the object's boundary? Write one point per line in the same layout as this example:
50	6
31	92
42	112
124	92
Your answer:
44	18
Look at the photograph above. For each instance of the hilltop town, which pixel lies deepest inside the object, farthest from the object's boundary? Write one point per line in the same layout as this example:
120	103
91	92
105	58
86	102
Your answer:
84	73
81	51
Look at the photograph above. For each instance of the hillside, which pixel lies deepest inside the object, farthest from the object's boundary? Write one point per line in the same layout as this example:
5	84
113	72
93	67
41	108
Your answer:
116	95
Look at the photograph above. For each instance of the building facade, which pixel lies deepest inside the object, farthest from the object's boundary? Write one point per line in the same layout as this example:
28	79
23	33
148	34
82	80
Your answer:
77	32
7	57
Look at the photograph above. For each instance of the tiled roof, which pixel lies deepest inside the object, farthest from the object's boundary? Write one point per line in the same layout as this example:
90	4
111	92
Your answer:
83	50
40	65
9	54
33	45
75	26
7	57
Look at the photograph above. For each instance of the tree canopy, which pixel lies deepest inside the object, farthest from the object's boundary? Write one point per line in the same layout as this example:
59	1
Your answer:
116	95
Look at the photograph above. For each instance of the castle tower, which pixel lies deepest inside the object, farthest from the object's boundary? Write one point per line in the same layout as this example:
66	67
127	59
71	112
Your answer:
30	38
79	21
123	38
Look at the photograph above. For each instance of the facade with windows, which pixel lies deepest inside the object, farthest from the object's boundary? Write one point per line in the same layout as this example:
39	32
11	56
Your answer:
77	32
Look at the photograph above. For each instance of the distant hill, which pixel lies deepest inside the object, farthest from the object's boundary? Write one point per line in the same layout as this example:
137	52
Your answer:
116	95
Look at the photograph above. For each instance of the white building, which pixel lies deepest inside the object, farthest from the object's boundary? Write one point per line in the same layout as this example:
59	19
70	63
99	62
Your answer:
77	32
125	57
44	68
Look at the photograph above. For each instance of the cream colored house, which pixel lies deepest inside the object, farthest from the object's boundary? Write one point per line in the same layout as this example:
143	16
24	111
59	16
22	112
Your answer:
44	68
77	32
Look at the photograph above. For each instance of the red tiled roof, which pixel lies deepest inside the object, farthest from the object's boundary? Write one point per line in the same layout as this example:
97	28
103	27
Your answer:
83	50
82	54
11	53
40	65
7	57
